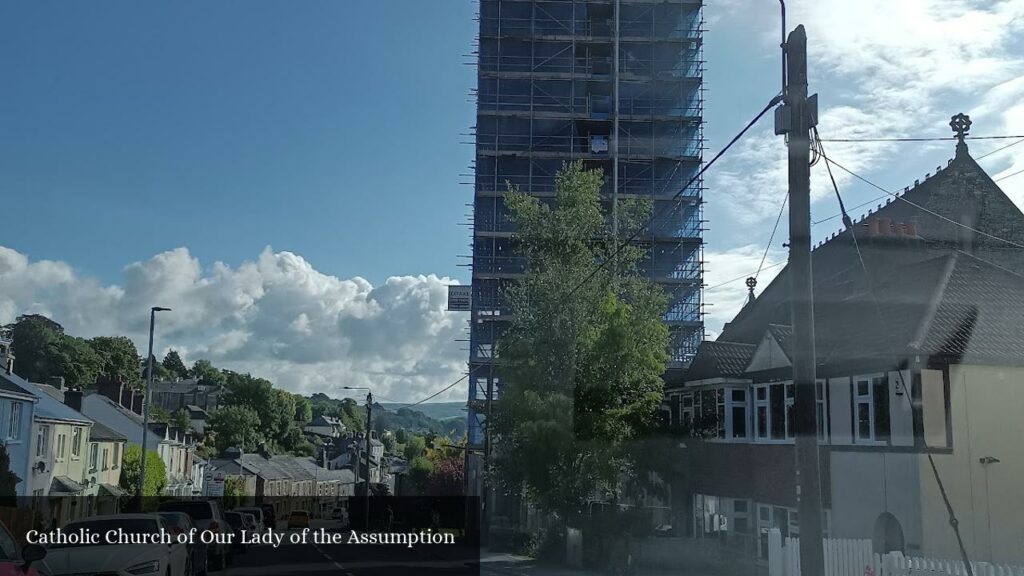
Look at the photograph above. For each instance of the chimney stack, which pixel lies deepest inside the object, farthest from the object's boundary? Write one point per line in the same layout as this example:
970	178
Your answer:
126	397
73	398
110	389
136	402
6	355
56	381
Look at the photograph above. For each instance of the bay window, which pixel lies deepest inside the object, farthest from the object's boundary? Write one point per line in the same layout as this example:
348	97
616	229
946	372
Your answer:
737	414
871	408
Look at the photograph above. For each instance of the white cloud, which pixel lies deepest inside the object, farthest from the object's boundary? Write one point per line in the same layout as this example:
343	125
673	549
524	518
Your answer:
727	292
276	316
890	69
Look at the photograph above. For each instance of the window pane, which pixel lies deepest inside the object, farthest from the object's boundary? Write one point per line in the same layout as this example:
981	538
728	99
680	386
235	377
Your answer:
862	388
863	420
762	422
739	422
739	395
762	393
778	406
881	399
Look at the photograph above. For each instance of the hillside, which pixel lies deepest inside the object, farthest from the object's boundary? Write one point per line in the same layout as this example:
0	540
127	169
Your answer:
394	416
436	410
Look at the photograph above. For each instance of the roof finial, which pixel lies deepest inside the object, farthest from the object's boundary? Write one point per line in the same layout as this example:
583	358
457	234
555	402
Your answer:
961	125
751	284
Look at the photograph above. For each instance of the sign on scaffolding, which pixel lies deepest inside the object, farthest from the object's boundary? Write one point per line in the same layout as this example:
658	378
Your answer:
460	297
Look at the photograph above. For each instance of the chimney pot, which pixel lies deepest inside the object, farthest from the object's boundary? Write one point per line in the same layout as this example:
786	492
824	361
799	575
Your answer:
873	227
884	227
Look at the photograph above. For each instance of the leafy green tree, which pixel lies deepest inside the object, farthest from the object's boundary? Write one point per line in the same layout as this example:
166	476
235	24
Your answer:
181	419
230	425
401	436
415	446
389	443
33	340
156	472
119	360
75	360
207	373
160	414
420	469
582	360
160	374
173	364
303	408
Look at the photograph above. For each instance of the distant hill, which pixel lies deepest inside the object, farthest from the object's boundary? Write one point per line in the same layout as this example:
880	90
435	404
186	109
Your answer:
445	418
435	410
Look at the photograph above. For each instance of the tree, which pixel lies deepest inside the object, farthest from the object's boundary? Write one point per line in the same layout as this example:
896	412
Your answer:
231	425
582	360
173	364
119	360
160	414
415	447
75	360
420	469
447	478
32	342
156	472
160	374
303	408
401	436
206	373
389	443
181	419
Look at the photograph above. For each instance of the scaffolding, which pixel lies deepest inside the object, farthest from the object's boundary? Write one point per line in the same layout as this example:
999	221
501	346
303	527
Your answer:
617	84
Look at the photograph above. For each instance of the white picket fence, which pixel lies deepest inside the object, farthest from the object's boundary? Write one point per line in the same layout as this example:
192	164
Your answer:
855	558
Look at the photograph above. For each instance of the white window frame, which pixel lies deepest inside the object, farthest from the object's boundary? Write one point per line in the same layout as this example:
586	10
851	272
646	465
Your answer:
686	411
76	442
117	455
14	422
788	403
62	444
94	449
758	404
869	398
730	404
43	441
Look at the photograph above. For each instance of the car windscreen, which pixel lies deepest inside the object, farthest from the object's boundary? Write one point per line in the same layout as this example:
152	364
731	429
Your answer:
197	510
99	529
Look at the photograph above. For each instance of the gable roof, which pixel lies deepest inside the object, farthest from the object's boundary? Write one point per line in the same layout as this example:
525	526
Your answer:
49	408
961	192
720	360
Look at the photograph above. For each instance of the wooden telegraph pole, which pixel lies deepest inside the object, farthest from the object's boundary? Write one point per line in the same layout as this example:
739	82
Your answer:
796	119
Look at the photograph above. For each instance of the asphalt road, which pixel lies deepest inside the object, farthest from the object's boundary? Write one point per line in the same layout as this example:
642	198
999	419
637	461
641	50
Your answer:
346	560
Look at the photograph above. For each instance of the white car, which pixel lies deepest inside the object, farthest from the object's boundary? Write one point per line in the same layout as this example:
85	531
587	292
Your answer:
121	559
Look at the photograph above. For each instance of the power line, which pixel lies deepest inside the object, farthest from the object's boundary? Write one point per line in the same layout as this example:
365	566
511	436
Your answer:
649	224
935	139
922	208
782	209
953	522
1000	149
743	277
1009	176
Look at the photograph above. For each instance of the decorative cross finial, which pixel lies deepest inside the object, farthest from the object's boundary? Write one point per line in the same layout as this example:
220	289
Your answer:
751	284
961	125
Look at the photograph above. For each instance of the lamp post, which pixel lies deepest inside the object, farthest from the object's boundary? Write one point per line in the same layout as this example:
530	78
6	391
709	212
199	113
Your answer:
369	413
145	398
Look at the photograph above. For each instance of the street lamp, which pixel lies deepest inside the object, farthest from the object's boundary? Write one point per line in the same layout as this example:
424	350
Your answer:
145	398
369	413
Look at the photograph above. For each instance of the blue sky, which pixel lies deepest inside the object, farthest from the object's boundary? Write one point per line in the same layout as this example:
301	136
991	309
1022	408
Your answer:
288	175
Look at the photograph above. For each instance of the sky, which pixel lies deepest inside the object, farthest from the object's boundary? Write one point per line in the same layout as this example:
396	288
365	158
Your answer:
290	177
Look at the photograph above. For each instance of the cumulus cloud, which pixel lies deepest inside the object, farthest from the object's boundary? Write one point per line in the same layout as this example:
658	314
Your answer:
275	316
891	69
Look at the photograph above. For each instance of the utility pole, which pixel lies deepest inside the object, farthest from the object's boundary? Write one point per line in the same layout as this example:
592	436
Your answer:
369	413
145	399
796	119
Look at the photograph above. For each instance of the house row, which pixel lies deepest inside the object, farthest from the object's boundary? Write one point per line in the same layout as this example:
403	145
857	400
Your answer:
919	363
64	443
288	482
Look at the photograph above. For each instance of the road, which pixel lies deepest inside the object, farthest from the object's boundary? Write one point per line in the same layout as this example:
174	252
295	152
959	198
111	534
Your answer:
346	559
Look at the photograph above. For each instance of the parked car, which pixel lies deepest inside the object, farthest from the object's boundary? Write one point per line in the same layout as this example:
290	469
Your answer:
206	515
14	562
250	522
257	513
237	523
298	519
181	523
103	558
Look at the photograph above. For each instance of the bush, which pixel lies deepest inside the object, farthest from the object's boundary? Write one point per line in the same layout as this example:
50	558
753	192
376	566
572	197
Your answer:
550	544
524	544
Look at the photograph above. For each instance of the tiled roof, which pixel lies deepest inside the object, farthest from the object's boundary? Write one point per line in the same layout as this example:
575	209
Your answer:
720	360
102	433
961	192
